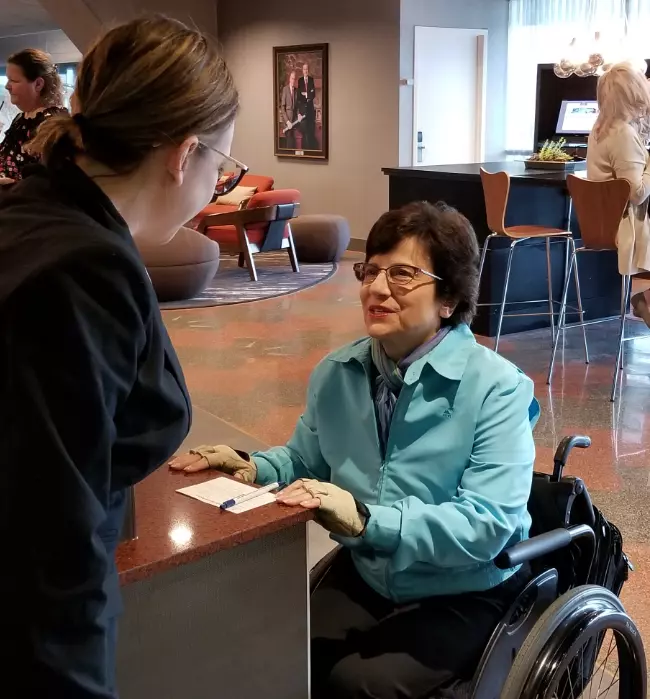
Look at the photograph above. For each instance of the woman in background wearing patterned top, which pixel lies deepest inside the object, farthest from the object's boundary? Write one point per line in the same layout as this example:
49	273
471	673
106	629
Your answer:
35	88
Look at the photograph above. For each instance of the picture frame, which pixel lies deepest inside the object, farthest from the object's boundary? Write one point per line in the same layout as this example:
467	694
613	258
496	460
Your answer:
300	115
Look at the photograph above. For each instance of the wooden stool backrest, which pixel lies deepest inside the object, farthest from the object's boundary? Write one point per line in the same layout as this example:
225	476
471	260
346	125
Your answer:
496	188
599	207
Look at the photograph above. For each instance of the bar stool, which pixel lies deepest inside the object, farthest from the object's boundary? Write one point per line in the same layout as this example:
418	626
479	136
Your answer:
496	189
600	207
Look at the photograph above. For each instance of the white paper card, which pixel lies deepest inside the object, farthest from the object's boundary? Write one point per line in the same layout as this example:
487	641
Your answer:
220	489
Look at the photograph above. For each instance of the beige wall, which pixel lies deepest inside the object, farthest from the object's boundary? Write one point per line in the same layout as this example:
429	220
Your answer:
199	13
55	42
363	37
76	19
82	20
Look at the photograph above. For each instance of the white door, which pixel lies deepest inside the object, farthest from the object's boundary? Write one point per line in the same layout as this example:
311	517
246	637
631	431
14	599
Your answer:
449	95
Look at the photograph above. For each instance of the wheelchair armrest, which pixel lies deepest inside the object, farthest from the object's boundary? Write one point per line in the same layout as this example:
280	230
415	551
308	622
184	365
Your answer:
543	544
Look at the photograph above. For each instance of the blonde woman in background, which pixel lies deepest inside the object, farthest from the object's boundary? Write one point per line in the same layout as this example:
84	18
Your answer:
618	149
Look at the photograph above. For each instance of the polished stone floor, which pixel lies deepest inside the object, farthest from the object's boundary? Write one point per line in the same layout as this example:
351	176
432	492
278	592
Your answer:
247	368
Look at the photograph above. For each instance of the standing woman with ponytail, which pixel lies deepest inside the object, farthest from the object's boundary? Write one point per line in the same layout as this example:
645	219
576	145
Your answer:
92	397
34	86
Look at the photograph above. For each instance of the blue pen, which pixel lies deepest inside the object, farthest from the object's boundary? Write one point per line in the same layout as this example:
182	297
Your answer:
250	496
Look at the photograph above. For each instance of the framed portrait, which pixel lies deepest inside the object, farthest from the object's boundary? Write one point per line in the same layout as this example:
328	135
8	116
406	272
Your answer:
301	120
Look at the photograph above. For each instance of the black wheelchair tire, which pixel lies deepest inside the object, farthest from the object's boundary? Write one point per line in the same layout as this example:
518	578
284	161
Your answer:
546	627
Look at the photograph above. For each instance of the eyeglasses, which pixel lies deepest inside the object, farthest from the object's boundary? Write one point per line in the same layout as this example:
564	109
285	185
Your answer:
401	275
227	180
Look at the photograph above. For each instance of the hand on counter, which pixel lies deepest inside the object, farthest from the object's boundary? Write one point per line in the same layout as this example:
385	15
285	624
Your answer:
6	180
338	511
221	457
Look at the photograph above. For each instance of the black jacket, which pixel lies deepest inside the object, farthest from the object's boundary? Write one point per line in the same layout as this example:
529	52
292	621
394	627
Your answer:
306	104
92	399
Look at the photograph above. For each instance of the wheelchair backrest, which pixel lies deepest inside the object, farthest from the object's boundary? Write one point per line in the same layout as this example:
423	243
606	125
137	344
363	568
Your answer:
561	503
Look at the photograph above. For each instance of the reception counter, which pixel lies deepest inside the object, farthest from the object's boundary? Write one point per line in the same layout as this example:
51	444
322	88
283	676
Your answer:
215	603
537	197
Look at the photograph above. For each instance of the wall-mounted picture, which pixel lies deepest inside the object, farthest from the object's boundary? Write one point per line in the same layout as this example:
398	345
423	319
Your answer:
301	94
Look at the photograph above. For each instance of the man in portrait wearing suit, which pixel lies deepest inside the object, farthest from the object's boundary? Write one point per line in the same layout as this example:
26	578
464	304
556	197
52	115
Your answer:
307	91
289	104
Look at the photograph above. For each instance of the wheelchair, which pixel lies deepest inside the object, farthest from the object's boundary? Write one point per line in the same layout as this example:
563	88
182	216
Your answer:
563	637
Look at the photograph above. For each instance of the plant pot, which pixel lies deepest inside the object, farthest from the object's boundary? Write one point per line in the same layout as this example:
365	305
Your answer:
561	165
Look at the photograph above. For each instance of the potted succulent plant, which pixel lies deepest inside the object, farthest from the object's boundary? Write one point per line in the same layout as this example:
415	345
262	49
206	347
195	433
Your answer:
552	156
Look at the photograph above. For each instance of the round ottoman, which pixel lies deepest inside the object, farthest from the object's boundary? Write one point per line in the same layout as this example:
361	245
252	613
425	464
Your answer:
320	237
183	267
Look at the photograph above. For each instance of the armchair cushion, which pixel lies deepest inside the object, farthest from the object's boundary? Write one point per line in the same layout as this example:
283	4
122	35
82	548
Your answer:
262	183
276	196
236	197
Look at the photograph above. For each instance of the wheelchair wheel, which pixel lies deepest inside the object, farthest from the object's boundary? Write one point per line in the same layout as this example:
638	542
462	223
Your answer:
584	645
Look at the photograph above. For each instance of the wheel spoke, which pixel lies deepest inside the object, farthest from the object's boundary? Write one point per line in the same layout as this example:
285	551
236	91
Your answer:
582	671
568	675
603	664
613	682
566	684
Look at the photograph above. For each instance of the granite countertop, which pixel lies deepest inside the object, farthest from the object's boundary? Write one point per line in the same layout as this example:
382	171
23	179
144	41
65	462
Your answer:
173	529
472	171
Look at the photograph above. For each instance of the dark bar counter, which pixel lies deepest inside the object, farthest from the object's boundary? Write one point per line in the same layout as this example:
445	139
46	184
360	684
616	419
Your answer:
537	197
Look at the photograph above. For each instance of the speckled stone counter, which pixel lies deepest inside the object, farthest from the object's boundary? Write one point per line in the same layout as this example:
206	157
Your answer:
173	529
215	604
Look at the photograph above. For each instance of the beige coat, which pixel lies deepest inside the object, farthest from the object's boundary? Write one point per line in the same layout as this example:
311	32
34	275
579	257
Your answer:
621	154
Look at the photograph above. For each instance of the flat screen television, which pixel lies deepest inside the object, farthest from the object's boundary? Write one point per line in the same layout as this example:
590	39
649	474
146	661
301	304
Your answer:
577	117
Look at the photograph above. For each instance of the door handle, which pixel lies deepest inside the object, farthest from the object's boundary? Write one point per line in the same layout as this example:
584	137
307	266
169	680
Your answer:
421	147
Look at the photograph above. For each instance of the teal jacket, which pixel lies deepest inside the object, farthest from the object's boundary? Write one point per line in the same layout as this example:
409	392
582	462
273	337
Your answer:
452	489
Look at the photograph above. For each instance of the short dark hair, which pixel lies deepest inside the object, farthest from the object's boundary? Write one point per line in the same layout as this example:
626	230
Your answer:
450	242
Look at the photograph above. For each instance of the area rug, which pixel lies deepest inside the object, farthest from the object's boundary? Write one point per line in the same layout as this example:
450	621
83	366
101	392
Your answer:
232	284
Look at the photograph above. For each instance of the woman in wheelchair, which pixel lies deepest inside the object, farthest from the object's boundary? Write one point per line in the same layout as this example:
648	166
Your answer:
416	452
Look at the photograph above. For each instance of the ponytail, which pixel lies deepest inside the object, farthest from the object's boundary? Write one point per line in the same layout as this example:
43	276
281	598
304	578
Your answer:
58	137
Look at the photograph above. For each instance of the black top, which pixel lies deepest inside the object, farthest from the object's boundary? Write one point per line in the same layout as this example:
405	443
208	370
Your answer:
306	104
21	131
92	399
472	171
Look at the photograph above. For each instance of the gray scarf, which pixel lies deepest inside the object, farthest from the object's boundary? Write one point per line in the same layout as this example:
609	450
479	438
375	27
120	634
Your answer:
390	379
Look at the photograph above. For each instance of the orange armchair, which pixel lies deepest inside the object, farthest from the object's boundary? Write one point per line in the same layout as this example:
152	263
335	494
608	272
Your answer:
262	225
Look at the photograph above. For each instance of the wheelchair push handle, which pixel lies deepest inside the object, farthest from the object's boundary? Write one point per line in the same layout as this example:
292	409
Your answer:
564	449
542	545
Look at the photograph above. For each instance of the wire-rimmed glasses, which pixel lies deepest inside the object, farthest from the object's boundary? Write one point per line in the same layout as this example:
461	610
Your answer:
401	275
228	179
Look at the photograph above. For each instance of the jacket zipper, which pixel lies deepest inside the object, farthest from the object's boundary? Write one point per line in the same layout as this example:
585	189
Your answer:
386	451
382	478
